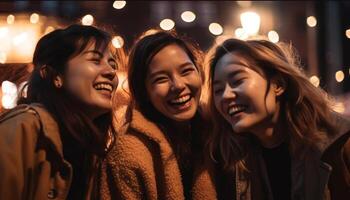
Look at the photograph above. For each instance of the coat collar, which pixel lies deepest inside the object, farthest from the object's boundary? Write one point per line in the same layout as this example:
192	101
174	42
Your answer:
146	127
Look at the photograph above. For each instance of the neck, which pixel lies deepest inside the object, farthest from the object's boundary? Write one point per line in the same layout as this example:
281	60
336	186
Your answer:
271	137
180	127
272	132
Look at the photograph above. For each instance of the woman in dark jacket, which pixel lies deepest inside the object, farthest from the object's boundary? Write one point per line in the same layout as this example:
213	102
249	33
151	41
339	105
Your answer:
53	143
276	136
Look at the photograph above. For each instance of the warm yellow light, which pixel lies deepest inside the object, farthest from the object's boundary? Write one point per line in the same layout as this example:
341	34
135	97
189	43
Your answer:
119	4
3	32
273	36
34	18
347	33
241	34
339	76
250	22
87	20
3	57
315	81
49	29
10	19
118	42
167	24
9	94
188	16
215	29
17	40
311	21
244	4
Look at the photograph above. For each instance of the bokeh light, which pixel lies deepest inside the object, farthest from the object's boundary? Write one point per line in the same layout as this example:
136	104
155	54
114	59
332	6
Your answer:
167	24
215	29
188	16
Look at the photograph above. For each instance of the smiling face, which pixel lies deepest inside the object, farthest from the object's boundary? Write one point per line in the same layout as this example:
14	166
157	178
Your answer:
91	78
242	95
173	83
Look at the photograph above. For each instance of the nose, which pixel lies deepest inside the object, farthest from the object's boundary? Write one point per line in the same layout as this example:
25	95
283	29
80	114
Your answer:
109	72
177	84
229	92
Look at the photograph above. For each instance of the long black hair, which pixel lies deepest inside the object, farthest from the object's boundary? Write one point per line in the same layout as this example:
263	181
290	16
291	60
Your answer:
82	137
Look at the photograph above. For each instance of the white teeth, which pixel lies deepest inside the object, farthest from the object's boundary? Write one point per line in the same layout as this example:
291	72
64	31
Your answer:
235	109
181	99
103	86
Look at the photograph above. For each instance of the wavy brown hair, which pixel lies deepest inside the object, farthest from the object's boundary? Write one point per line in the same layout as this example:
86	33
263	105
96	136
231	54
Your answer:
304	108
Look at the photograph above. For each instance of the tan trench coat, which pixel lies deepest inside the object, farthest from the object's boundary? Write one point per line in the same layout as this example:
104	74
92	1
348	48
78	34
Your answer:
32	166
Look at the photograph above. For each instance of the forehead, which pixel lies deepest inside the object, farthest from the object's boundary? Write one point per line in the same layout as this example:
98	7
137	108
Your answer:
232	58
101	47
171	54
230	62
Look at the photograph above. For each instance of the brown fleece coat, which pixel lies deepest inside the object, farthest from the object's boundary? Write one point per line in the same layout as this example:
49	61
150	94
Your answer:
142	165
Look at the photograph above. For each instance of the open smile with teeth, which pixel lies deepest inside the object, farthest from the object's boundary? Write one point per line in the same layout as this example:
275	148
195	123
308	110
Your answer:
236	109
181	100
104	86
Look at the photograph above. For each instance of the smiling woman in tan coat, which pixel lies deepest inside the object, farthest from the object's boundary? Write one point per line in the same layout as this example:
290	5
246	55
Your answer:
52	145
159	156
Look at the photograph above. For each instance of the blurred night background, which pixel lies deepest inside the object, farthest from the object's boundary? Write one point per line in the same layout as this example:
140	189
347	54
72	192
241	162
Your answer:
319	30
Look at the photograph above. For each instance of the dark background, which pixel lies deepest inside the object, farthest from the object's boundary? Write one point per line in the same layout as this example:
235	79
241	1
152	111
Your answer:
323	49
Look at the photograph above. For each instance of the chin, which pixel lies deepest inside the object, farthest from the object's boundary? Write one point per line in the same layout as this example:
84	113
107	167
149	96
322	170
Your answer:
104	108
182	117
239	128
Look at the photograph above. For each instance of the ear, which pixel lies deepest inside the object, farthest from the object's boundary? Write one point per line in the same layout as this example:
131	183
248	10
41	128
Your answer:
278	86
279	90
58	81
43	71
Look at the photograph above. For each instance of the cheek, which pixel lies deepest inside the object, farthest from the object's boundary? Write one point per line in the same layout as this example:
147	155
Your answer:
157	93
217	104
271	103
196	80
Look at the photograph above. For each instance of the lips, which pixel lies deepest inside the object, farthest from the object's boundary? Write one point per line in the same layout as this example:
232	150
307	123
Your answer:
235	109
180	100
104	86
181	103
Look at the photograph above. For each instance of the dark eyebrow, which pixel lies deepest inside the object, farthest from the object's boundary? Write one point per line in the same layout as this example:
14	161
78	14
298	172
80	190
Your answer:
186	64
94	52
163	72
156	73
231	74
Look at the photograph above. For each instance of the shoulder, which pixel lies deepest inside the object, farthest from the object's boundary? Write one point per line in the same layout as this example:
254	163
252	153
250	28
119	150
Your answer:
21	111
339	143
19	132
22	116
342	137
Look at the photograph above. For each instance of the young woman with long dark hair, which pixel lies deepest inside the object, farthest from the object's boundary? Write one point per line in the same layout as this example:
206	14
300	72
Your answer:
160	154
52	144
